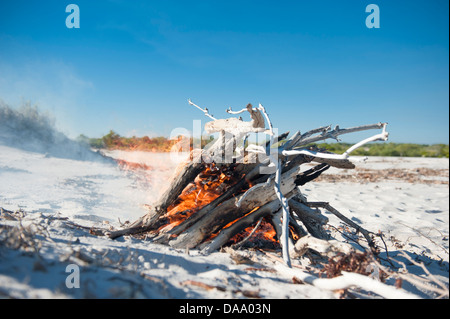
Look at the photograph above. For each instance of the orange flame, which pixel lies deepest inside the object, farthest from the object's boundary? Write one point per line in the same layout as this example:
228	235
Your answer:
209	185
265	233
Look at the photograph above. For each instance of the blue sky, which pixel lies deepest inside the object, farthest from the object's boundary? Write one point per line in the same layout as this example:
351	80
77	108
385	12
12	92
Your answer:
132	65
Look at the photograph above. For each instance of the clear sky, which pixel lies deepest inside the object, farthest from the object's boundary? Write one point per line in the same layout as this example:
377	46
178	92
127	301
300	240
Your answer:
132	65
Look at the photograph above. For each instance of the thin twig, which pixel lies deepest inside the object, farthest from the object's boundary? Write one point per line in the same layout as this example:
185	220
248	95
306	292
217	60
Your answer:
380	235
205	110
426	237
242	242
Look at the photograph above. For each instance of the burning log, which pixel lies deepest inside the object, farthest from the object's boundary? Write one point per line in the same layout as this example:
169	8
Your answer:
211	201
312	219
246	221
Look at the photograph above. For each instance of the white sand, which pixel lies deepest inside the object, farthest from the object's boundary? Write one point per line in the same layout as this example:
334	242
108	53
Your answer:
413	218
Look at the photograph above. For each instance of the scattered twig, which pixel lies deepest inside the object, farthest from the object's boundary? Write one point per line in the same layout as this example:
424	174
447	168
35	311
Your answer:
420	282
422	266
349	222
426	237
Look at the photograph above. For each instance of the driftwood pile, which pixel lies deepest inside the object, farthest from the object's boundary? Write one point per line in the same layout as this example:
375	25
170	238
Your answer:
229	189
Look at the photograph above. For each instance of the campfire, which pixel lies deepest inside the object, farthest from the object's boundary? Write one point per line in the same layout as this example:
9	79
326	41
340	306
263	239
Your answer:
233	194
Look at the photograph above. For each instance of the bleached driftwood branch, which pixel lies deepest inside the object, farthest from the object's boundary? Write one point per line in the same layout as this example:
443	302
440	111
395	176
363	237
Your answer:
326	133
285	241
378	137
345	281
338	160
277	187
253	111
285	220
329	248
269	122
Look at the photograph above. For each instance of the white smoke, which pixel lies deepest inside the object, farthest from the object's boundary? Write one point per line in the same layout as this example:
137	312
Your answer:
30	129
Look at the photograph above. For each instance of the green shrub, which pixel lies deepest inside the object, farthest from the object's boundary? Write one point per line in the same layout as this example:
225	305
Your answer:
390	149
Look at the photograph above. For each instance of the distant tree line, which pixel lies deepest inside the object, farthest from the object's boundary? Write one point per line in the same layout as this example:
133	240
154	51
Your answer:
114	141
390	149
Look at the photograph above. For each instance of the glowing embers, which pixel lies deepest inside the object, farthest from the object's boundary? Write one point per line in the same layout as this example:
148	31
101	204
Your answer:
207	186
262	234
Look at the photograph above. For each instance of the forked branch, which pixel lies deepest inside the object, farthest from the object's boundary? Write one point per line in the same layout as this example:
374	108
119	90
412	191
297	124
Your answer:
205	110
